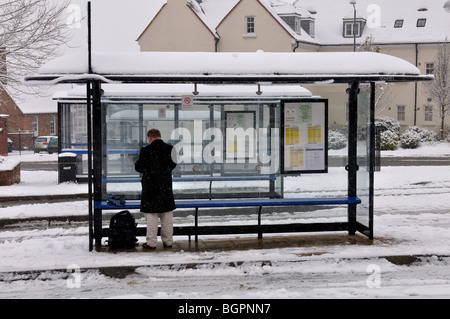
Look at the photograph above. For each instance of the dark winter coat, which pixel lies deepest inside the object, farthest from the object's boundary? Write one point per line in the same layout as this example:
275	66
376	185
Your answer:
156	165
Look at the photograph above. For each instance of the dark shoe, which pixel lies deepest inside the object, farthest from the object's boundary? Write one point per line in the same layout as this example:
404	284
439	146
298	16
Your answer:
167	246
145	246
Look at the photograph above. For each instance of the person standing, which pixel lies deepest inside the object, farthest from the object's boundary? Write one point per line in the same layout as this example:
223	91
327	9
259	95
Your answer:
157	200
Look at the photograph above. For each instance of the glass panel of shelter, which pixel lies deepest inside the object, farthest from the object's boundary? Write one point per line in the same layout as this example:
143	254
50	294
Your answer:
205	167
126	124
365	172
72	132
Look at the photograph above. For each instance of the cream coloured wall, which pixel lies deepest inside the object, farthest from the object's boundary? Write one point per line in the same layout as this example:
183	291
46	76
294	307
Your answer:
176	28
269	35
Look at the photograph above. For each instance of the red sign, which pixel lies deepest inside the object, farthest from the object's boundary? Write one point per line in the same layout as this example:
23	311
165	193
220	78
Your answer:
187	102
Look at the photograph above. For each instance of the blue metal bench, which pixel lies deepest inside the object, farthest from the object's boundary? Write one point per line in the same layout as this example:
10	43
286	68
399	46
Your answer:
194	178
260	203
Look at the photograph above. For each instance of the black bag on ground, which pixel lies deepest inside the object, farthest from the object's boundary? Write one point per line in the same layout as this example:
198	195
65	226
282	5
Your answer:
122	231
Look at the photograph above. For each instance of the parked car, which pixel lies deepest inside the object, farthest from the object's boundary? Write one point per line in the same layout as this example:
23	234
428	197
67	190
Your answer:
53	145
10	145
41	143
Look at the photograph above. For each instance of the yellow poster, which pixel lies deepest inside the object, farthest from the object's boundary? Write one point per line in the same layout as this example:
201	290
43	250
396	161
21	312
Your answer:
314	134
292	135
296	157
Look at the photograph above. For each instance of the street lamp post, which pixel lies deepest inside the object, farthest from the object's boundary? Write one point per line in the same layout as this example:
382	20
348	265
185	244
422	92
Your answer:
353	2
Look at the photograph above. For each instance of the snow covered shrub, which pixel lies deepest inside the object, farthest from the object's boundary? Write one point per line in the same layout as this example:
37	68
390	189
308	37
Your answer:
410	139
389	141
336	140
424	134
386	123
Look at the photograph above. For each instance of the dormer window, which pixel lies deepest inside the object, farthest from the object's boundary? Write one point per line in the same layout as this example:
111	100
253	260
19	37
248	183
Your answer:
353	29
293	21
421	23
309	26
398	23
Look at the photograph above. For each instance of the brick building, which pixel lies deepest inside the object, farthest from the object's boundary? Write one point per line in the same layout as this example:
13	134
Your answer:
28	121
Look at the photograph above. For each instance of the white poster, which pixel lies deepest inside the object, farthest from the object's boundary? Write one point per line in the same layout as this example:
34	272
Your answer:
240	134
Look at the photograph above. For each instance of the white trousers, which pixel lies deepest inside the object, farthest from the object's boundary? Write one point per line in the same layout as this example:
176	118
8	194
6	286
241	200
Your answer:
166	228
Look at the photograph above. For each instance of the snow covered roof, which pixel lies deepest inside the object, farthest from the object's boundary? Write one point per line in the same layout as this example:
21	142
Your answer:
37	105
164	91
231	68
272	9
284	8
381	16
197	9
329	15
216	10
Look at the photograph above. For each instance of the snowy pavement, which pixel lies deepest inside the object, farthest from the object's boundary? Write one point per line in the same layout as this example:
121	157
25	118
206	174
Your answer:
412	220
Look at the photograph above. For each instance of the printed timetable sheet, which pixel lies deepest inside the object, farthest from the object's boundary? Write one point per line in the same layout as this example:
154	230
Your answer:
305	136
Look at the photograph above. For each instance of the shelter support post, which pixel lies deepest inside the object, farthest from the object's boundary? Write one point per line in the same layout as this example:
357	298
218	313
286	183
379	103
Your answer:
97	154
196	224
89	147
373	164
352	166
89	128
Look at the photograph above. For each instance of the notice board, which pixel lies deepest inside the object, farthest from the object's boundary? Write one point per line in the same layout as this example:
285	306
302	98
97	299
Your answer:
239	145
304	136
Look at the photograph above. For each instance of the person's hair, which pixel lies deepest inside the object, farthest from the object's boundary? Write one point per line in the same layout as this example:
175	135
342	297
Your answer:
154	133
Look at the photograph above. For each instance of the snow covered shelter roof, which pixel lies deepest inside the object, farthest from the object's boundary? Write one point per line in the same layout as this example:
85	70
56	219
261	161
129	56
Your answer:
227	68
165	91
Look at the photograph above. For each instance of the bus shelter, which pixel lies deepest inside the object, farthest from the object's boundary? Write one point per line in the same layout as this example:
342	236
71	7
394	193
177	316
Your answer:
233	151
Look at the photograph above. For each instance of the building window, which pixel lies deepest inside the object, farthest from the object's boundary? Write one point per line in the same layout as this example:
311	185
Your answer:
35	124
349	25
398	23
349	29
53	125
79	124
428	113
421	23
250	25
401	113
429	68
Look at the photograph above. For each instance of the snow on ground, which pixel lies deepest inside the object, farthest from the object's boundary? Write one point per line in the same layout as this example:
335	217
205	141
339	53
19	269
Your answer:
412	217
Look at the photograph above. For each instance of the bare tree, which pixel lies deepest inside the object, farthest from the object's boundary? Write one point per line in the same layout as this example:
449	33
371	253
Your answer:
439	89
31	33
384	94
369	46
